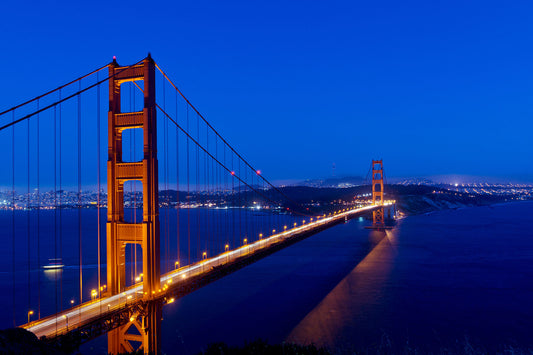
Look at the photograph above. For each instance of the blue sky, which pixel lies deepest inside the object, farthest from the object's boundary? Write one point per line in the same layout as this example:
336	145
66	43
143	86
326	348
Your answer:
433	88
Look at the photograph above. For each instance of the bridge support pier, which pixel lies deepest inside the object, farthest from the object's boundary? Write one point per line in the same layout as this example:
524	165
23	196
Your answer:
141	333
143	328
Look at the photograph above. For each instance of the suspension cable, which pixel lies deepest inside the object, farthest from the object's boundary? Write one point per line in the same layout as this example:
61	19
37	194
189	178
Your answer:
54	90
13	216
98	181
66	98
232	173
222	138
79	201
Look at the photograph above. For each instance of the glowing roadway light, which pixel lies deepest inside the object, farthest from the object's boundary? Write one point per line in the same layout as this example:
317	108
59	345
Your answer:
295	224
176	265
29	315
71	301
273	231
204	255
94	294
260	235
285	227
226	247
90	308
66	319
245	240
170	300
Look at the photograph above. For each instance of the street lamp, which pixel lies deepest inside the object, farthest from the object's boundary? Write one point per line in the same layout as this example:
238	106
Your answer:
72	302
66	317
226	247
295	224
273	231
29	315
204	255
176	265
245	240
94	293
260	235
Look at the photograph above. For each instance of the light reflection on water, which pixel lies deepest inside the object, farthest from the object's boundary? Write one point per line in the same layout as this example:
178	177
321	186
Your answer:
430	284
350	299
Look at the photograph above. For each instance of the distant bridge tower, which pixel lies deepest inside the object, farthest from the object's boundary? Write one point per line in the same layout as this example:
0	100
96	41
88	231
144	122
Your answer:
121	233
377	193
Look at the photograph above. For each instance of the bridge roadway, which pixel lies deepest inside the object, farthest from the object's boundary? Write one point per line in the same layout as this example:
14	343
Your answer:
73	318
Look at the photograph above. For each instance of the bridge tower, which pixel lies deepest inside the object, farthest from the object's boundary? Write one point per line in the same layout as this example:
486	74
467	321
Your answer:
145	324
377	193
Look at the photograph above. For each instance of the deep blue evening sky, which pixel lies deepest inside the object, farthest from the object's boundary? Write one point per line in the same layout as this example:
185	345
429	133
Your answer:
433	88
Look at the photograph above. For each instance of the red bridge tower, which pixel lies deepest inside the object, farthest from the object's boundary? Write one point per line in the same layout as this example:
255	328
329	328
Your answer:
120	233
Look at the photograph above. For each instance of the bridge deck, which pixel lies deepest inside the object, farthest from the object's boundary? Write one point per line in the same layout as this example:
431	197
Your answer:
103	308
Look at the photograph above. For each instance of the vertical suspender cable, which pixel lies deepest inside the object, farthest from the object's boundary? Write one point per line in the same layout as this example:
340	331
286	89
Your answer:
55	207
28	219
38	223
226	198
134	200
133	211
60	207
240	206
79	200
199	255
206	188
217	197
233	201
177	188
13	215
98	180
165	172
188	200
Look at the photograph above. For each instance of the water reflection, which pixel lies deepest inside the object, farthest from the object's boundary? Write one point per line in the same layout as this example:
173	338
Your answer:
53	274
349	302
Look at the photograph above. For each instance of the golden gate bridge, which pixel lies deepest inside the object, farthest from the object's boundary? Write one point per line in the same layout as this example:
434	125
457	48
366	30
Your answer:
182	209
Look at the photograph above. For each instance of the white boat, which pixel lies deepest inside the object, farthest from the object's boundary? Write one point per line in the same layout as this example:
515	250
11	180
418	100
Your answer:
54	264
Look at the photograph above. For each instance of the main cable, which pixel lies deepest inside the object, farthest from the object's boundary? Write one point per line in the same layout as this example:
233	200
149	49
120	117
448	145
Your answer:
66	98
222	138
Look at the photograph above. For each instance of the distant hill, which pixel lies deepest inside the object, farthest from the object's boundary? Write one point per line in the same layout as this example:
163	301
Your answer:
346	181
